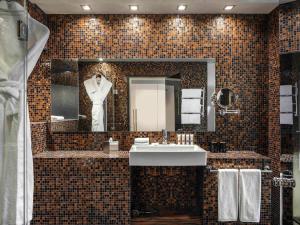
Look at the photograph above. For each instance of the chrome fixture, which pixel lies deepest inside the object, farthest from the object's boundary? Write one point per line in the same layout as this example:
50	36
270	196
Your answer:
225	99
165	136
265	170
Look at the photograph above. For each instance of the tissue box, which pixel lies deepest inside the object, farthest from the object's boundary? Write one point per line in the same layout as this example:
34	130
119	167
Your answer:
112	146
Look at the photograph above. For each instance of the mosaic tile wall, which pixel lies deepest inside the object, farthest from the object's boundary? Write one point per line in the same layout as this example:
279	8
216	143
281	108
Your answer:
274	110
87	190
241	63
38	93
166	189
240	57
39	134
289	27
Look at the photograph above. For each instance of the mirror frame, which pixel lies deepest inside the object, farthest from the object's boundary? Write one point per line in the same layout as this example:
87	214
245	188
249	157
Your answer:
229	106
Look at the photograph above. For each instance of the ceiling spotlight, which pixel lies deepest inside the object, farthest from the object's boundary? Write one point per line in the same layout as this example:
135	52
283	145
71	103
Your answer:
229	7
134	7
86	7
181	7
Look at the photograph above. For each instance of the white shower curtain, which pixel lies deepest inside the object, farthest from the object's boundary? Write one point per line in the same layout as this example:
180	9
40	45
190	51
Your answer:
16	64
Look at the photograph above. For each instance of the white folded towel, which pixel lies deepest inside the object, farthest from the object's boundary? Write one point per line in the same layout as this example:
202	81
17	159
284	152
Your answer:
191	106
286	118
228	195
192	93
190	118
57	118
286	104
286	90
143	141
250	195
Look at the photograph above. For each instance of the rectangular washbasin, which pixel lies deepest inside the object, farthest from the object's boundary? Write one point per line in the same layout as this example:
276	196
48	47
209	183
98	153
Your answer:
167	155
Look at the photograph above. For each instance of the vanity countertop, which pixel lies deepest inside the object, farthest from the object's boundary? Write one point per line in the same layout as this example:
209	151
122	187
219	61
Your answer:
82	155
125	155
237	155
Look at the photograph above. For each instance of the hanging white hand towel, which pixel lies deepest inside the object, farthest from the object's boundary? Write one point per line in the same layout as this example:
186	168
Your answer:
250	195
228	195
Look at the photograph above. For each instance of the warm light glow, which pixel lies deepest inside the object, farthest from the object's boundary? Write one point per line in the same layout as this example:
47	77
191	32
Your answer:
134	7
181	7
229	7
86	7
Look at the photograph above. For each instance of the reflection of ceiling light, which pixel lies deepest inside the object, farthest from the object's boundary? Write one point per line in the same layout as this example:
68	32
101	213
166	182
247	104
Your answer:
100	59
86	7
229	7
134	7
181	7
1	20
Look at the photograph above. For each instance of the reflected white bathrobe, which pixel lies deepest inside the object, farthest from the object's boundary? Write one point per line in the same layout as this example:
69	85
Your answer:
97	93
16	193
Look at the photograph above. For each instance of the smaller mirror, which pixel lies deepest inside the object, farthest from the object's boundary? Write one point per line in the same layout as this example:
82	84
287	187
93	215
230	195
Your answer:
226	98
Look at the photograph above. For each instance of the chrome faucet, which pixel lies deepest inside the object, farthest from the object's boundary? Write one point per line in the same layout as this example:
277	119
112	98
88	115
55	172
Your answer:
165	136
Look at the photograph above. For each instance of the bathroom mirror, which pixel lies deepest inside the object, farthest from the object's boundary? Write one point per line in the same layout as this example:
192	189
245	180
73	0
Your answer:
140	95
64	95
226	98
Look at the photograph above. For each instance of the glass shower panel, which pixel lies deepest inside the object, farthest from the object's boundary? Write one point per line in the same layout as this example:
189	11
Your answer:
290	135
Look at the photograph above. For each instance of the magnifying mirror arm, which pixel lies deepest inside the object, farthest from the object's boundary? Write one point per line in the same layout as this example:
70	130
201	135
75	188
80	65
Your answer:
223	112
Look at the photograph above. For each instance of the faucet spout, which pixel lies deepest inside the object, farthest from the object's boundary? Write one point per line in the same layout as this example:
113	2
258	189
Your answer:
165	136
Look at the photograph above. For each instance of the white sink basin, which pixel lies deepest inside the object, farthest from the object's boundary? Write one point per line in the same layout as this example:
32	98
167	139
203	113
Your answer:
167	155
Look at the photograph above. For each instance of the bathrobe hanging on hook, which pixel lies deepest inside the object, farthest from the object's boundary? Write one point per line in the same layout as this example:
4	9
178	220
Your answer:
97	92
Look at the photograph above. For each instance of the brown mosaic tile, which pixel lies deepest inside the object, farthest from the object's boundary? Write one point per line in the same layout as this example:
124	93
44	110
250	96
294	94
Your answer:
76	188
39	136
289	27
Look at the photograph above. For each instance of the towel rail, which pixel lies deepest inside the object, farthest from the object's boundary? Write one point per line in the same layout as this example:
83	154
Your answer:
266	169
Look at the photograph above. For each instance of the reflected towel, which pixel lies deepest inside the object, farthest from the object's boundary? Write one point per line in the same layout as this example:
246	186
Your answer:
190	118
139	141
286	90
192	93
286	104
286	118
191	106
250	195
228	195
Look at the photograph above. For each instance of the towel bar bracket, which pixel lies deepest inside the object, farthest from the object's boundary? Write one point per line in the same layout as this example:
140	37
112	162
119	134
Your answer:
266	169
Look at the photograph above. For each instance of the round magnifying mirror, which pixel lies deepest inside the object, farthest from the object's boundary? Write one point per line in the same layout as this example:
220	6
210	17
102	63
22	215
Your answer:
226	98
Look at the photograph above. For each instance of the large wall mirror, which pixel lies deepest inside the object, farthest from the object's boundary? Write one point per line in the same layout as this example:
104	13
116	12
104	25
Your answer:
99	95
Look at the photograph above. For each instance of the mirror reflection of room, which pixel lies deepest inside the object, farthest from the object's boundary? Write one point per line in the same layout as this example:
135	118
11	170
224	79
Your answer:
116	95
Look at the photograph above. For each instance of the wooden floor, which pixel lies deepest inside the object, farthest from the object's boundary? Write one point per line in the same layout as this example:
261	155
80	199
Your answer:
167	220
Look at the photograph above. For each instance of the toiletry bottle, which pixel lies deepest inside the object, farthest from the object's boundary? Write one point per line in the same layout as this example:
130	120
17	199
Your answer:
187	139
191	139
183	139
179	139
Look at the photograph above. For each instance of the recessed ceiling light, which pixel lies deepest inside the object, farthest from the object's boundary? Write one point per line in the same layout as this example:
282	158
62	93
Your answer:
100	59
229	7
86	7
134	7
181	7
